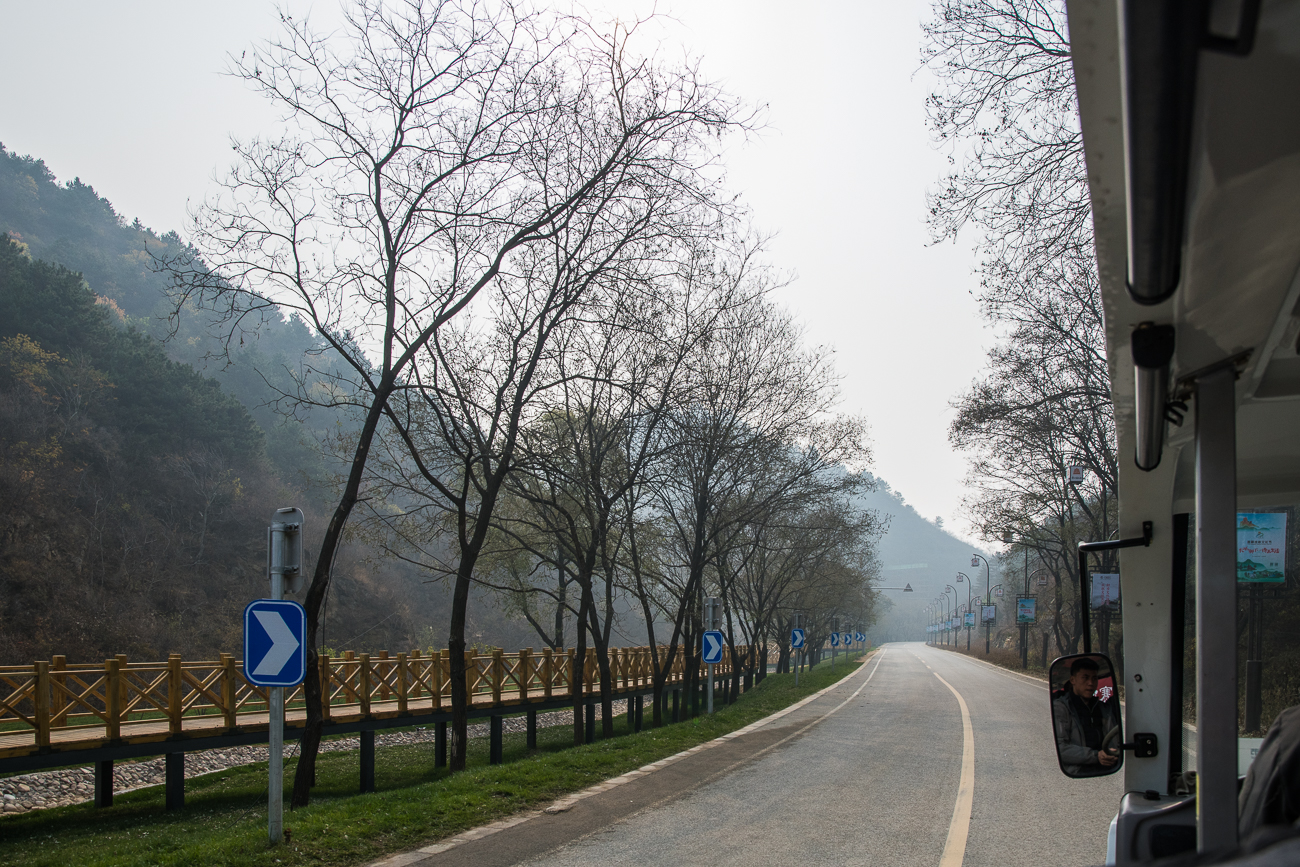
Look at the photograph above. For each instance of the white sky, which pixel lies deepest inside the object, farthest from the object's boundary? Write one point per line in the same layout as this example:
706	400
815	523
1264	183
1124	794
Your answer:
128	96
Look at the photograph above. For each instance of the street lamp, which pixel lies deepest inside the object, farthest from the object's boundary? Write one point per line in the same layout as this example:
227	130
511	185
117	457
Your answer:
988	594
948	587
1024	627
1008	538
969	582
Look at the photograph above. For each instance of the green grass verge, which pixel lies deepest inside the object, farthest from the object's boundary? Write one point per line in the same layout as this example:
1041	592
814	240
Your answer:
224	820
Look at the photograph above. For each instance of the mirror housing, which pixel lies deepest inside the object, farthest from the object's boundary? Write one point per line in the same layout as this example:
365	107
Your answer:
1086	719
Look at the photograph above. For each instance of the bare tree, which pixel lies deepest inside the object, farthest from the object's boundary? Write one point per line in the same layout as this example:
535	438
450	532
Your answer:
760	430
788	554
427	146
1006	106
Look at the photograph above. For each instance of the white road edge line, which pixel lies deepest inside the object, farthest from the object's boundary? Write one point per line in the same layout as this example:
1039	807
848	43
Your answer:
1036	681
404	858
954	848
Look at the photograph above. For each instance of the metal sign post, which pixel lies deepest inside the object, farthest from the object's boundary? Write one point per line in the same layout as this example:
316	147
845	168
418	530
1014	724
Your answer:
797	639
713	641
275	650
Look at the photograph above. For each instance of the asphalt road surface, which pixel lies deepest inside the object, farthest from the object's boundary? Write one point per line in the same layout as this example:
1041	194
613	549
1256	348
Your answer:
881	770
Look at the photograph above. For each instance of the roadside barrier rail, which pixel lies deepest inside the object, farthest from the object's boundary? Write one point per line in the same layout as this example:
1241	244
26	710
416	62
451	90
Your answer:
58	707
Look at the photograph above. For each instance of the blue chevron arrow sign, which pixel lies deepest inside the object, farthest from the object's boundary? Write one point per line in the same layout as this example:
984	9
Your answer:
275	642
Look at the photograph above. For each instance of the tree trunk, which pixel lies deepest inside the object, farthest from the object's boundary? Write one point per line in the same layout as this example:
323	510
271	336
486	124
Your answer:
305	774
577	673
459	691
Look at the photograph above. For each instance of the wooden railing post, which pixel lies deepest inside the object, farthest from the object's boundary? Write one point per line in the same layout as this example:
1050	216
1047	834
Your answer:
175	684
471	672
440	667
525	672
229	688
402	674
41	702
498	674
59	699
548	677
385	669
326	689
413	661
112	700
363	684
124	684
350	663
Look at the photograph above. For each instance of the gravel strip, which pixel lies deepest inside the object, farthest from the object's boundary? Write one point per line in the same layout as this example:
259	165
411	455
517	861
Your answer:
43	789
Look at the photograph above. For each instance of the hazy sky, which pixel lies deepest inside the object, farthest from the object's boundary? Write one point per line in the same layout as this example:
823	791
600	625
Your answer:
128	95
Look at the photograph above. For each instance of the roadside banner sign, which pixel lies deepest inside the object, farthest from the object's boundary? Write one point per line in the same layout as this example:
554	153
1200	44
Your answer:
275	642
1261	547
970	618
990	613
713	644
1105	590
1026	609
797	638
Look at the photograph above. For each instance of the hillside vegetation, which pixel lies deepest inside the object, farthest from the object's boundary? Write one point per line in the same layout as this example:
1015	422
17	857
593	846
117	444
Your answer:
137	474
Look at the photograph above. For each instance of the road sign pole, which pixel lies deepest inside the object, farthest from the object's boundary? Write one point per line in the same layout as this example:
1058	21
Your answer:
275	696
710	687
275	791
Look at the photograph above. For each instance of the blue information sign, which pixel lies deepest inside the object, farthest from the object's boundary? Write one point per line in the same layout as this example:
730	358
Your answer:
796	638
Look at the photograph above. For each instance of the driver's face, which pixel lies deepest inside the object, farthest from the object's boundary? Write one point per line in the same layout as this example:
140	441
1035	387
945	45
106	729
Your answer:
1084	682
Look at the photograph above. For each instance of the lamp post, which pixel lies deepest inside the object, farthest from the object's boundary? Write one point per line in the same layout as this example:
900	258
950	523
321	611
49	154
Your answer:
1024	627
988	593
969	582
943	624
1008	538
948	587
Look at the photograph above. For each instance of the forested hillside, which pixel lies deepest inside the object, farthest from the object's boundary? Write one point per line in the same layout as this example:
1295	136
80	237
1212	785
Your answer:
136	475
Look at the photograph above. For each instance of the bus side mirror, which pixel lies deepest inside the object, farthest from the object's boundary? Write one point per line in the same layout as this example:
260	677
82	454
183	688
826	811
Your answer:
1086	718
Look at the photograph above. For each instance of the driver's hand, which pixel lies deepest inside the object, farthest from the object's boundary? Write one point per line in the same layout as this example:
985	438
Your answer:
1106	758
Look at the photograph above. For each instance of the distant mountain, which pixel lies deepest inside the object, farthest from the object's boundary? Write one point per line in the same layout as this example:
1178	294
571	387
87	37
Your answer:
918	552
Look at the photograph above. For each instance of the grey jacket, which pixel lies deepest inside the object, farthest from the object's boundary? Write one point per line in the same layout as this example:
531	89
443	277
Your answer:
1077	758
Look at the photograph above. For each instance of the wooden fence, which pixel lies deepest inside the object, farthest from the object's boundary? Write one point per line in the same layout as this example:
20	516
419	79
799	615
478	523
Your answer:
59	707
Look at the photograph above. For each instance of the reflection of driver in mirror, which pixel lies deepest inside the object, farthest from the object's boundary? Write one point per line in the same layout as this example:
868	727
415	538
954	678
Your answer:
1087	726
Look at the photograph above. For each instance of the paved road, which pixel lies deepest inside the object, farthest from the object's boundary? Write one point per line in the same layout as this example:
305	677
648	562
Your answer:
875	782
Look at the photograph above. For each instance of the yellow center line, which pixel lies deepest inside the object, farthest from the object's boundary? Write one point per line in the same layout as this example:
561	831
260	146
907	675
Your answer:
954	848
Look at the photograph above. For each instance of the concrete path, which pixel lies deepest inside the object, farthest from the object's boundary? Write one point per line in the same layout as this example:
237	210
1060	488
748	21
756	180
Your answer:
886	768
